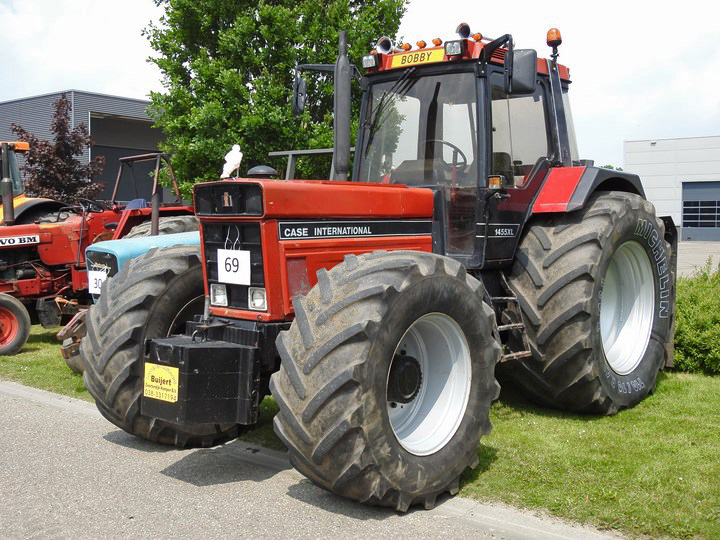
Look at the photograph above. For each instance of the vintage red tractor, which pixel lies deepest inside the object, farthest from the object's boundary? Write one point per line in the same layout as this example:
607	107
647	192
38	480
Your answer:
42	244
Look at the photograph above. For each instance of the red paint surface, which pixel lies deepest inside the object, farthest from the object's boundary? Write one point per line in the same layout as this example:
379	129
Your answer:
328	252
557	189
319	199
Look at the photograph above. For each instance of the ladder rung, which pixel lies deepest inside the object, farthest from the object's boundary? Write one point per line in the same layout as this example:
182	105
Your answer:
515	356
512	326
503	299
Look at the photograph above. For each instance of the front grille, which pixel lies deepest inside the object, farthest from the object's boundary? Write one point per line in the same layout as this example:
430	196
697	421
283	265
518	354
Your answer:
228	199
239	236
103	262
99	260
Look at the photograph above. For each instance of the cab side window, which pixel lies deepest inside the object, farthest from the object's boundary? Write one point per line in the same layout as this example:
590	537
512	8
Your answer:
519	132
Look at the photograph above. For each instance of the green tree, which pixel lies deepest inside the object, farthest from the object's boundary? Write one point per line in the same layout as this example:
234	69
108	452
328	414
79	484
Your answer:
228	66
52	169
612	167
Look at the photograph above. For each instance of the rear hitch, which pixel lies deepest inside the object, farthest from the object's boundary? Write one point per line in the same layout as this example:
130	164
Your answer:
74	331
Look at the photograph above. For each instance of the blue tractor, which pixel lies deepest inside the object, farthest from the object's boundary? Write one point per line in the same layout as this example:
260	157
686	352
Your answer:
105	259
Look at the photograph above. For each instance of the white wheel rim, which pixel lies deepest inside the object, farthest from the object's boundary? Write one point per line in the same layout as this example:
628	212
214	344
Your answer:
627	305
428	422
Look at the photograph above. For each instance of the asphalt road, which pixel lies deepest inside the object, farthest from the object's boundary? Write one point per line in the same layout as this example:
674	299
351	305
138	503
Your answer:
692	255
65	472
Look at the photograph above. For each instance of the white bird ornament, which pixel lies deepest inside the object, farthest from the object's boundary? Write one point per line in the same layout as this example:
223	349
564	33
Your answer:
232	161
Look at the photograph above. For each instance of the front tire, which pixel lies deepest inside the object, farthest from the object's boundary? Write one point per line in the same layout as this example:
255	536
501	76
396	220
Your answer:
387	377
150	297
596	294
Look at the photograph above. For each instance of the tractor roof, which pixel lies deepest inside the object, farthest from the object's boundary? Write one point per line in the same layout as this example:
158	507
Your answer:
18	146
432	55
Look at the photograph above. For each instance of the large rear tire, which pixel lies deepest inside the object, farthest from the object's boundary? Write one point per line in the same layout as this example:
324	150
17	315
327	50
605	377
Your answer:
387	377
166	225
150	297
14	325
595	289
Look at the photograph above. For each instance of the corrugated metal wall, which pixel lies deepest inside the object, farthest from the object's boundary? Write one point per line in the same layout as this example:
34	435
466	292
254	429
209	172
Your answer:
34	114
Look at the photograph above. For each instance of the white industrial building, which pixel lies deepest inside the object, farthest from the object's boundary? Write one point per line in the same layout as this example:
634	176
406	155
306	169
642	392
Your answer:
682	179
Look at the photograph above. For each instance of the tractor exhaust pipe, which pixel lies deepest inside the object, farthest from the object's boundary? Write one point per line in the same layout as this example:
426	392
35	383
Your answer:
6	188
341	121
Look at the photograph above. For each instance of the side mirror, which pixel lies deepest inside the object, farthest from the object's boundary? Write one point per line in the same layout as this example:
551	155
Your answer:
299	95
524	70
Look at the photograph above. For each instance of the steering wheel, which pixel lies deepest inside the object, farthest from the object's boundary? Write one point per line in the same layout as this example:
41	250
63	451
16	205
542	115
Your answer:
89	204
460	165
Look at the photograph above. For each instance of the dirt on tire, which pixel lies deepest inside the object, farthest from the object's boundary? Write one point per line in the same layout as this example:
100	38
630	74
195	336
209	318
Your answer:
558	277
332	384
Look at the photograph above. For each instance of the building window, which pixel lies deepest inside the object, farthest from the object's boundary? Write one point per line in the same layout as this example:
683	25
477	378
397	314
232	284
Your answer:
701	214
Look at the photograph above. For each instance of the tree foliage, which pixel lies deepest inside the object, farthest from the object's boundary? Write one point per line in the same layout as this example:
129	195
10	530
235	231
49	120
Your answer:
52	169
228	66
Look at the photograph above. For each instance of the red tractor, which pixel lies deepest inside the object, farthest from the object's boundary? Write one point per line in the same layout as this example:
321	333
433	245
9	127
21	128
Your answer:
42	245
376	310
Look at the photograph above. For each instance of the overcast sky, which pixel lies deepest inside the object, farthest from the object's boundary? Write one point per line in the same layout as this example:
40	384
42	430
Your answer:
640	69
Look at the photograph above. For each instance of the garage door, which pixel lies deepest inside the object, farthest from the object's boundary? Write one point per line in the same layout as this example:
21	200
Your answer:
701	211
143	174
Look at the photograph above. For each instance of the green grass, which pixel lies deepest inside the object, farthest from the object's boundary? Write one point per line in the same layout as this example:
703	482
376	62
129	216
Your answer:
41	365
653	470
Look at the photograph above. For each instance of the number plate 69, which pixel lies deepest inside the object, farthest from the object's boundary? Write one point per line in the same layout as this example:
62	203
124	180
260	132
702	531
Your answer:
234	266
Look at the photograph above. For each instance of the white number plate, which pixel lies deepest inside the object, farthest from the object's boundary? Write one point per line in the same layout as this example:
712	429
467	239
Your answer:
234	266
95	280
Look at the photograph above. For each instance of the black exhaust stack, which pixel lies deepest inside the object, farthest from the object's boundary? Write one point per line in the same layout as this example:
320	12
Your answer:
6	188
341	155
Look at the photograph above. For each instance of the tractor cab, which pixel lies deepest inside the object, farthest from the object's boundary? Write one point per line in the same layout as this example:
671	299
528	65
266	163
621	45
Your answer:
474	120
480	123
16	208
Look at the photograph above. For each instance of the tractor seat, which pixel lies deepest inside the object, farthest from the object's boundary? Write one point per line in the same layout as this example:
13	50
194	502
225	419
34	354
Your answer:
136	204
502	164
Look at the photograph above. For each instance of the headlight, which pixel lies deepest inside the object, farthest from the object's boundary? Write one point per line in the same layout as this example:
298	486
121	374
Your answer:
218	294
454	48
256	299
370	61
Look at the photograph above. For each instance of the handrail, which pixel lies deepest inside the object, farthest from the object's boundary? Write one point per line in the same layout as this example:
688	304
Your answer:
292	159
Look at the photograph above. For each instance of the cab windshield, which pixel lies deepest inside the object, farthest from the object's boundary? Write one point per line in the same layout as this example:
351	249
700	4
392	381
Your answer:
421	131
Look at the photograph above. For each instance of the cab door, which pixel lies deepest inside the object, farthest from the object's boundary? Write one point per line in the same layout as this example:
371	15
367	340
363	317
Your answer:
520	148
